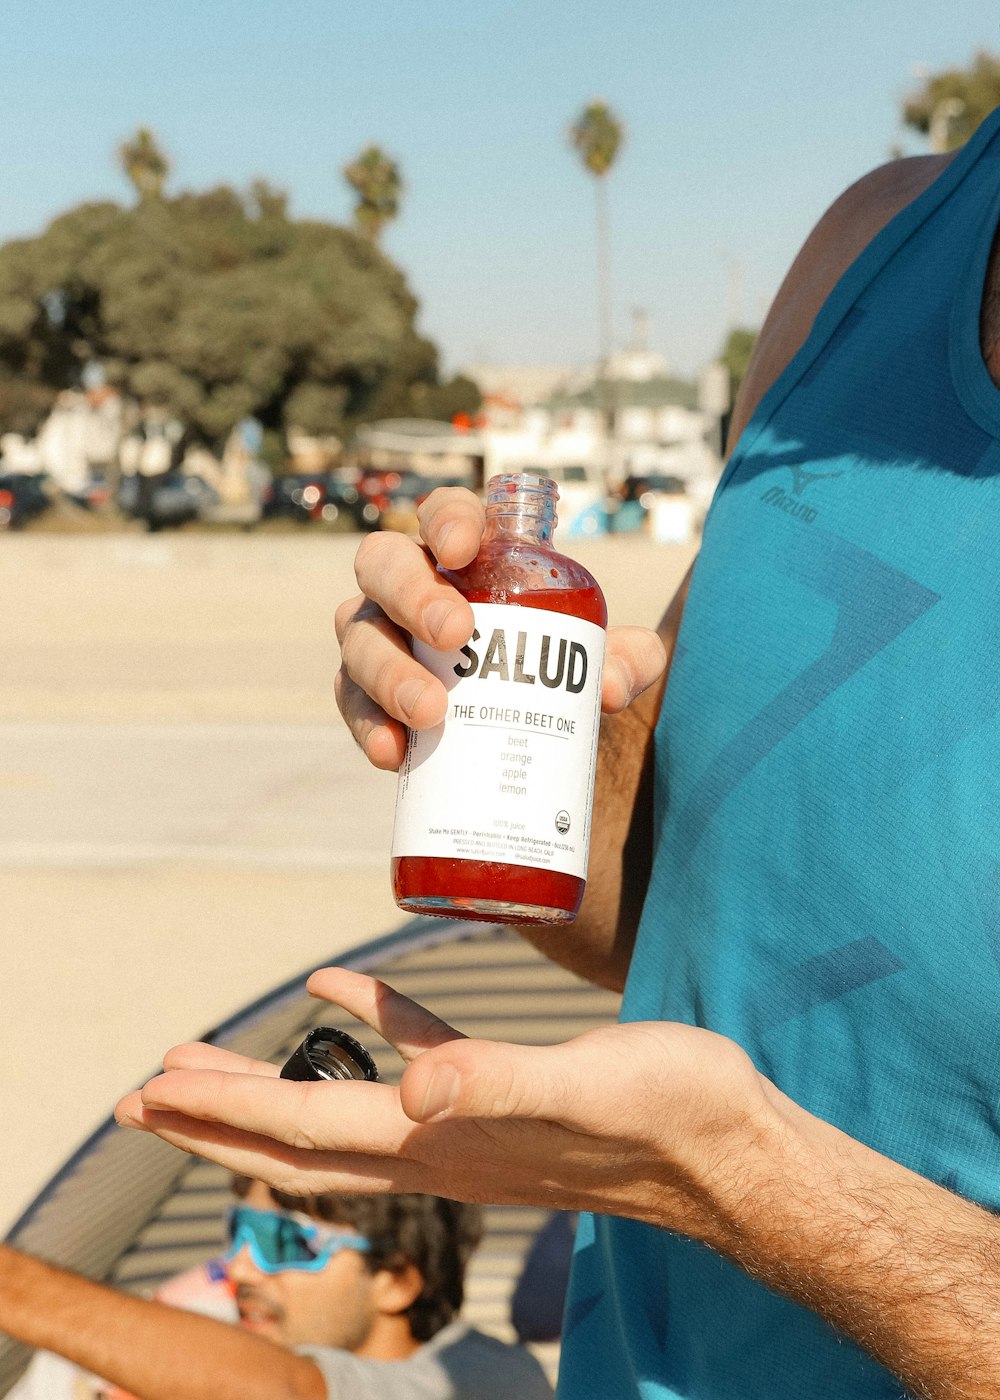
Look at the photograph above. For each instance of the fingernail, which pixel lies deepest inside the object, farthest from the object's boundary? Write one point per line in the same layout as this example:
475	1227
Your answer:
442	1091
436	615
408	694
443	535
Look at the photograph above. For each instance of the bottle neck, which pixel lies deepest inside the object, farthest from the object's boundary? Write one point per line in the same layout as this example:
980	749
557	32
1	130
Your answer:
520	508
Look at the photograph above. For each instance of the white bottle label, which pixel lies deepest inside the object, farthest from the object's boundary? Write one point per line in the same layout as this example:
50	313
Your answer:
509	775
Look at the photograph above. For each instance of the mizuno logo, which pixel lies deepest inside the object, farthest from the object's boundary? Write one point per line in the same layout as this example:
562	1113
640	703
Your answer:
793	504
801	479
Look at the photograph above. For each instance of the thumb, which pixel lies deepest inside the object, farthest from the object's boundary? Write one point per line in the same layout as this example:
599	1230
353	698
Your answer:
486	1079
635	659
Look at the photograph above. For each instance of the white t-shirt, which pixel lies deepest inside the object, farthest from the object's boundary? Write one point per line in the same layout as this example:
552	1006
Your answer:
458	1363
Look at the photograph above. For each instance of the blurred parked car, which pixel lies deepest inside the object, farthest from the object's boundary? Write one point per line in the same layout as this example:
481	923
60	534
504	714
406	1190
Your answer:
176	499
22	497
315	496
97	493
376	489
646	489
391	498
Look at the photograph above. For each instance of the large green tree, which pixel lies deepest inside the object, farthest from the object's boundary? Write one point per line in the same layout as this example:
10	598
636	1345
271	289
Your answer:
948	106
216	306
378	186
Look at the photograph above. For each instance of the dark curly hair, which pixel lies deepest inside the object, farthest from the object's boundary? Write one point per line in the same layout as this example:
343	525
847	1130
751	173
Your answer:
436	1235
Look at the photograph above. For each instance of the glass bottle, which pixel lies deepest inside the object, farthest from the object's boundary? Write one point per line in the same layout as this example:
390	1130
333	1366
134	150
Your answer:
493	808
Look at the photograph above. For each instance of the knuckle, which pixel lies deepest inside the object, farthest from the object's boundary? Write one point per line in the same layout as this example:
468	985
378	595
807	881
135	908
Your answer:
383	680
341	693
358	645
512	1097
348	646
306	1112
445	501
499	1085
372	555
346	614
304	1141
364	715
429	505
440	496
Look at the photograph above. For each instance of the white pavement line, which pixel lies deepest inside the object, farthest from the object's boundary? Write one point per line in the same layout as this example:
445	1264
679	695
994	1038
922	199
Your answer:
183	729
74	854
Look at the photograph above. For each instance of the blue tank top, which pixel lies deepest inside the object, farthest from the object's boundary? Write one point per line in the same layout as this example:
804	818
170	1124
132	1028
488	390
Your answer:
826	885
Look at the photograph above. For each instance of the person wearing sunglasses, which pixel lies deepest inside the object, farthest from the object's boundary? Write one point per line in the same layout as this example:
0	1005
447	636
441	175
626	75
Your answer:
339	1298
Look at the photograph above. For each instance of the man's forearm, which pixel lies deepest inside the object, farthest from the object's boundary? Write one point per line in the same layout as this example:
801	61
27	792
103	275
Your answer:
149	1349
598	944
907	1269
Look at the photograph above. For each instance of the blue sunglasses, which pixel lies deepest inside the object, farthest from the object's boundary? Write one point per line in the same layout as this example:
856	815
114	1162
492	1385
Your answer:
278	1241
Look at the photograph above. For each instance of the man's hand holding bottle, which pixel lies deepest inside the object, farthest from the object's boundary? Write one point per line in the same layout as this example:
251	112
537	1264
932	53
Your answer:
381	690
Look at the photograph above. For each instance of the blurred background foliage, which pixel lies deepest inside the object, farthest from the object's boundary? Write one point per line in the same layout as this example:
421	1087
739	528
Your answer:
215	306
735	355
949	105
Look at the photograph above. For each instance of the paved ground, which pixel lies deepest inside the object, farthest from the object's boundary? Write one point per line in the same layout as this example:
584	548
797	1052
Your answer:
183	821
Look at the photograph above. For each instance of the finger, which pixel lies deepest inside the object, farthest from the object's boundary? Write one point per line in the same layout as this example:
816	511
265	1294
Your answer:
570	1084
376	658
451	522
313	1115
603	1082
198	1055
298	1171
128	1110
635	659
477	1079
409	1027
381	738
399	576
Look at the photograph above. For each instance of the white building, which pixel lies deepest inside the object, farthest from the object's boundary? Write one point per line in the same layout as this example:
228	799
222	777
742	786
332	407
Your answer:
657	424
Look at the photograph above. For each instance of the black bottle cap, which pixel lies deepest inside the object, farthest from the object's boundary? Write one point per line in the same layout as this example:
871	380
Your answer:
327	1053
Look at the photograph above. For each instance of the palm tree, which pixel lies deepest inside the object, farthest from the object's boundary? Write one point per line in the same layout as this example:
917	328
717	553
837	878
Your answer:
145	163
375	179
597	135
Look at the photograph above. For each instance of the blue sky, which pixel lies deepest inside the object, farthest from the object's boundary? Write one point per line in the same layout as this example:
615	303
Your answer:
744	122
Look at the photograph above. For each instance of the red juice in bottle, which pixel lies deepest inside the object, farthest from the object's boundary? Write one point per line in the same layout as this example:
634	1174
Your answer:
493	812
